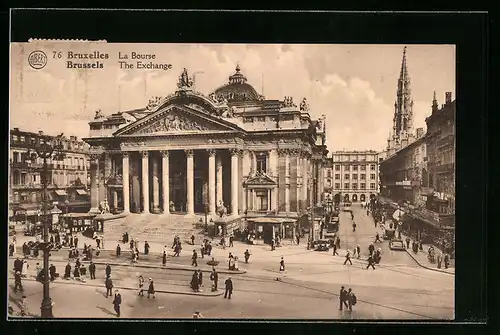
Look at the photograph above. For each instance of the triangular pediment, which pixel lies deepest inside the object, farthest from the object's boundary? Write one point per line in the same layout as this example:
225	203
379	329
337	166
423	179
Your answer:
176	119
260	179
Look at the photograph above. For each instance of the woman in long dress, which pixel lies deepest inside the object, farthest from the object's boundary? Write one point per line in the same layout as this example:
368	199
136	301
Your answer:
24	270
195	285
141	286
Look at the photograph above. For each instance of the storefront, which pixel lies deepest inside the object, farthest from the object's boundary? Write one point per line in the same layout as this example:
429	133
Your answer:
266	228
77	222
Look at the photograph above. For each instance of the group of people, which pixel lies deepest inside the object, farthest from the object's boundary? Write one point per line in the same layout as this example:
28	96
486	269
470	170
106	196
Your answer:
151	287
347	299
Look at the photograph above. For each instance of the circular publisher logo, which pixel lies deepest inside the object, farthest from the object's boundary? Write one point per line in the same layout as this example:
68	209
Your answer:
37	59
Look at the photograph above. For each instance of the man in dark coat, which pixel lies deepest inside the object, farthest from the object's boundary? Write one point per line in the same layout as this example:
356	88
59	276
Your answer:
118	250
343	298
146	248
117	301
195	285
18	265
52	272
229	288
194	258
214	277
67	271
151	288
12	248
371	249
407	243
335	249
75	241
109	286
371	262
200	278
92	270
108	270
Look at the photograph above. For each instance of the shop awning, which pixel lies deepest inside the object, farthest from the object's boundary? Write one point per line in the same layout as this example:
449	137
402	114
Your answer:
81	192
60	192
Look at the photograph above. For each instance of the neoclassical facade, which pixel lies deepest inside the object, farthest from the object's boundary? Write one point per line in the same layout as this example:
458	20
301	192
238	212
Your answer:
189	153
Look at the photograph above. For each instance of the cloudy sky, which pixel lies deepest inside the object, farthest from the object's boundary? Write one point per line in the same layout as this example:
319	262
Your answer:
353	85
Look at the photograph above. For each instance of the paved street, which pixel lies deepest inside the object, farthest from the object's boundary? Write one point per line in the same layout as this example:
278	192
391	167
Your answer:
398	288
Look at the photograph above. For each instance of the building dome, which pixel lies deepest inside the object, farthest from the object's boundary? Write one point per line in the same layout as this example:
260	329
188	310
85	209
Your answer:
237	89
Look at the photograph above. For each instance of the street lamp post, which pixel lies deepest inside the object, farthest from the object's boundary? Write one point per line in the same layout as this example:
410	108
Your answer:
46	151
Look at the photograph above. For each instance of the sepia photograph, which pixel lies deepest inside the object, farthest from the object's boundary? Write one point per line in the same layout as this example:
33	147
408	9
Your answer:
231	181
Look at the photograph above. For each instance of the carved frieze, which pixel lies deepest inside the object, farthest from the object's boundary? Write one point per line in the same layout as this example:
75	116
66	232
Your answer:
144	154
164	153
234	151
211	152
189	153
174	121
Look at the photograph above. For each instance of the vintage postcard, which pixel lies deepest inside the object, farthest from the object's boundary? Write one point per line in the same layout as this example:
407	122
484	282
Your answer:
237	181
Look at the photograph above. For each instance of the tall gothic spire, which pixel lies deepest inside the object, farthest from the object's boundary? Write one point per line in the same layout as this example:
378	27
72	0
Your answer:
403	106
435	106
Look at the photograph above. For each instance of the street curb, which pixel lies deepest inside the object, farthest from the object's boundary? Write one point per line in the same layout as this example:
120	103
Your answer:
427	267
219	293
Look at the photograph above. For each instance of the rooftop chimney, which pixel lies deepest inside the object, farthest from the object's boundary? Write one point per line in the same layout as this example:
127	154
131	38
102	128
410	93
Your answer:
447	99
420	132
40	132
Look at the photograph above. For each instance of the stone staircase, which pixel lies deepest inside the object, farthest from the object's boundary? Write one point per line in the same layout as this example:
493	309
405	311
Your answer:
153	227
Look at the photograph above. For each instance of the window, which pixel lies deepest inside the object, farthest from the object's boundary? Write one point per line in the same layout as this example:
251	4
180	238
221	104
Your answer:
355	168
355	176
372	186
337	167
372	176
15	157
33	141
34	178
337	185
372	167
347	167
261	162
354	186
23	178
346	176
362	176
346	186
337	176
329	174
329	183
14	138
362	167
362	186
21	138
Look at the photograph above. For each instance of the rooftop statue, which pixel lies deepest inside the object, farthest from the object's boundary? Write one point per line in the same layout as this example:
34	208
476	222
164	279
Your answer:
304	105
185	81
98	114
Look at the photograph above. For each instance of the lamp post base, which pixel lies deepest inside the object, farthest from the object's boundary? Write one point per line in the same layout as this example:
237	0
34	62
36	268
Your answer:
46	308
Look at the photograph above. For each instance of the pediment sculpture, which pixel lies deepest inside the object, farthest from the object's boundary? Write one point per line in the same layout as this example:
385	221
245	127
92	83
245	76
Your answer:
185	81
304	105
154	102
174	122
98	115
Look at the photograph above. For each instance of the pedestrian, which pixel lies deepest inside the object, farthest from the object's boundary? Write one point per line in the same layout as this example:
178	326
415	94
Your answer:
164	258
194	259
343	298
18	265
247	255
11	249
117	301
200	278
358	251
118	251
109	286
377	238
229	288
18	285
192	239
337	242
71	245
335	249
439	260
151	288
102	241
214	277
146	248
202	250
97	251
446	260
371	249
92	270
78	263
141	286
231	241
273	244
24	305
177	250
67	271
370	262
407	243
38	269
98	241
348	257
75	241
298	239
136	254
351	299
136	245
353	226
83	273
131	244
76	273
195	285
209	248
235	266
231	263
24	270
52	272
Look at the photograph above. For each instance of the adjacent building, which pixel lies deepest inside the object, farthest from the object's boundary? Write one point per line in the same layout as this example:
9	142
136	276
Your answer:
188	153
67	181
352	176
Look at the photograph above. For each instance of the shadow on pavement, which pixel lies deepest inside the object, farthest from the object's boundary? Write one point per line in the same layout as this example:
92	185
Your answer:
101	292
107	311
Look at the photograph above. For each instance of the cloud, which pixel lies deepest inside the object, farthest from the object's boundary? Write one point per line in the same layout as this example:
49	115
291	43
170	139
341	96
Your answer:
353	85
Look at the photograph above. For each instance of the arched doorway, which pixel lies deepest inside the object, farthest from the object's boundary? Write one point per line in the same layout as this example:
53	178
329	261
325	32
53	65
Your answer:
362	198
346	198
354	198
372	196
336	198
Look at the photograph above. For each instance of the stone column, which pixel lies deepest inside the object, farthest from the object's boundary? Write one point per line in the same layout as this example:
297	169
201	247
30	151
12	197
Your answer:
319	182
94	191
156	184
190	182
234	181
125	181
211	181
300	199
107	173
145	181
165	181
287	181
218	162
273	163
